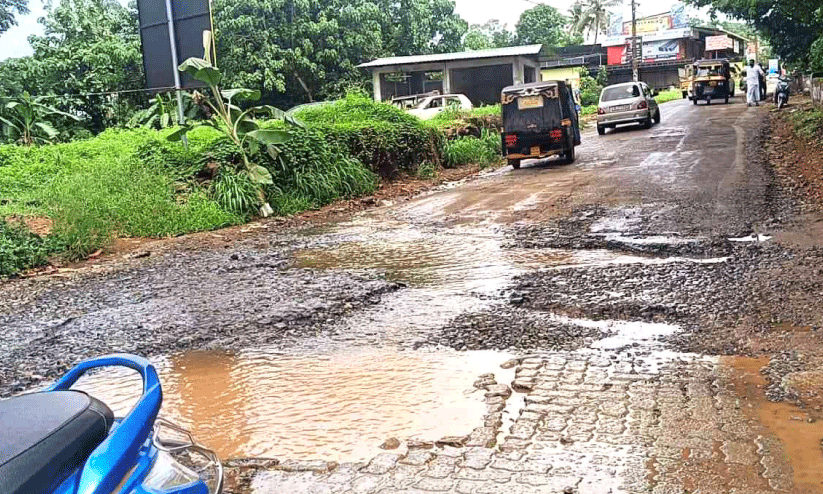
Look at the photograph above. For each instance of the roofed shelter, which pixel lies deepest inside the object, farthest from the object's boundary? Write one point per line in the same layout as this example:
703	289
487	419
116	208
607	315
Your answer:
480	75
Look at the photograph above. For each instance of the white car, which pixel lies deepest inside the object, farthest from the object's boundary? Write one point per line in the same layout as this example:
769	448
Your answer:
430	106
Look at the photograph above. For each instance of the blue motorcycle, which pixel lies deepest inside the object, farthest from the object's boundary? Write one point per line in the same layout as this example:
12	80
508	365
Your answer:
63	441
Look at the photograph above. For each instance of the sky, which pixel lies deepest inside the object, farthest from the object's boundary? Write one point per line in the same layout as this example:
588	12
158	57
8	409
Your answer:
14	42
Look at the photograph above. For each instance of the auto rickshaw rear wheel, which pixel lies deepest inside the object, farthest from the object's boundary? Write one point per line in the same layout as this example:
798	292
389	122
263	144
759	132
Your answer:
568	155
515	164
727	100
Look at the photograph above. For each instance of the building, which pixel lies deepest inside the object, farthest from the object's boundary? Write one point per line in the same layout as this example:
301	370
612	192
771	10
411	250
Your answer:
666	43
566	63
481	75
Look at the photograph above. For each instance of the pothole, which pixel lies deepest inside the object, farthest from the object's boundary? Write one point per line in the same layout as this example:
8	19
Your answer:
339	406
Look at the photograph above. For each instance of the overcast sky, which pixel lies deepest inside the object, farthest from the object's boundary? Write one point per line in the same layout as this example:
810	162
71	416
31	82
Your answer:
14	43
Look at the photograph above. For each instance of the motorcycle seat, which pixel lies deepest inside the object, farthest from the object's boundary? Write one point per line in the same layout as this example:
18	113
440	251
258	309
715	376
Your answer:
45	437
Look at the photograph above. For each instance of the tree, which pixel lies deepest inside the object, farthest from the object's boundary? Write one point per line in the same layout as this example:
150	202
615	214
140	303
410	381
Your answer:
492	34
593	16
295	51
9	9
542	24
89	46
794	29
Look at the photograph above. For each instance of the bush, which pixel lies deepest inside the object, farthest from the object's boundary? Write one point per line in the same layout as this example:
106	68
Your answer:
471	150
385	139
669	95
235	192
313	170
20	249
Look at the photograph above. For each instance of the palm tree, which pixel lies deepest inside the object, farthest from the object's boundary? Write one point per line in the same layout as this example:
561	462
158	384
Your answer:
594	16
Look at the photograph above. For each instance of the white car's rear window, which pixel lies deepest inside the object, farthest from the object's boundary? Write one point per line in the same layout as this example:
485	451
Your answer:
621	92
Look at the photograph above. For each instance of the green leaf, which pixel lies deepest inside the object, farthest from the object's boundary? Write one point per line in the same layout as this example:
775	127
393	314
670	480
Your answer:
292	120
178	134
273	151
241	94
47	128
260	175
201	70
270	136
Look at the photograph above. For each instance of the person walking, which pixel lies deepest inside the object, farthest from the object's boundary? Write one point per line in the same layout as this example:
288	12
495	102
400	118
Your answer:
753	75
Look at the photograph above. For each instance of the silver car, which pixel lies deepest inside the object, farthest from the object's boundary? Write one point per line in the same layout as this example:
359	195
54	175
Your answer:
631	102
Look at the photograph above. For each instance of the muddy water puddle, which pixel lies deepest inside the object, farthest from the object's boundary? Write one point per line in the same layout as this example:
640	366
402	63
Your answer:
800	435
339	406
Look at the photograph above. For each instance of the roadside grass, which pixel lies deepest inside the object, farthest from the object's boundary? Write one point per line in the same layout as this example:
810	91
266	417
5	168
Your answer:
668	95
387	140
20	249
808	123
468	150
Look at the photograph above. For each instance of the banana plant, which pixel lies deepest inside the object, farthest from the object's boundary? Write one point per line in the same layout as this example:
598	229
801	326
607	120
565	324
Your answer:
239	125
163	113
25	120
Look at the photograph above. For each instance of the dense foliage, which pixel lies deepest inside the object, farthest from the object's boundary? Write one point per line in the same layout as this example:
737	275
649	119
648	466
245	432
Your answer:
295	51
384	138
592	16
9	9
20	249
542	24
794	29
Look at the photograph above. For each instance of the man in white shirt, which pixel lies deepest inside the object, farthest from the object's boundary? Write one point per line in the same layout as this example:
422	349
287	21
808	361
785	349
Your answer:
753	75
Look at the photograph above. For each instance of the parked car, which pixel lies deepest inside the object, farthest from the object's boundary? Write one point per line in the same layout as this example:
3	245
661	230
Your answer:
430	106
539	120
411	100
630	102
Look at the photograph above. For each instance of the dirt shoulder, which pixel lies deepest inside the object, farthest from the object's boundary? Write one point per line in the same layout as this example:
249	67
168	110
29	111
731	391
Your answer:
125	249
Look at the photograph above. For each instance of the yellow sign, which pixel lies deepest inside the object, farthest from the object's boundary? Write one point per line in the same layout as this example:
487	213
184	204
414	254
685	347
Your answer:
648	25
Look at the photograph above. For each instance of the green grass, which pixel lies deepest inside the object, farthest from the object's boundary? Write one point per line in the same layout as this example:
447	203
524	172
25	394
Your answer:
454	117
808	123
470	150
588	110
668	95
20	249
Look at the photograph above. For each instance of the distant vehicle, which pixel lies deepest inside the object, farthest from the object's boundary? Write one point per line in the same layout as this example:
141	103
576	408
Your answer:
539	120
430	106
410	101
630	102
782	91
712	80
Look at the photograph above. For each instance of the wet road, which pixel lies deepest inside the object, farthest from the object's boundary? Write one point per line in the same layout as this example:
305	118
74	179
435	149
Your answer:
582	328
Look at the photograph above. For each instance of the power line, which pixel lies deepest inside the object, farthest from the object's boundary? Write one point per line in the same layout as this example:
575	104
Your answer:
102	93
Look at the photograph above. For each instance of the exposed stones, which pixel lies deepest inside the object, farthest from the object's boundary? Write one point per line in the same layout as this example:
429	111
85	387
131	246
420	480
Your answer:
419	444
381	464
485	437
316	466
390	443
500	390
453	441
523	385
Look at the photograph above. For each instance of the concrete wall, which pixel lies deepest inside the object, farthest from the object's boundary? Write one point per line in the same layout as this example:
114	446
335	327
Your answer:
571	74
817	91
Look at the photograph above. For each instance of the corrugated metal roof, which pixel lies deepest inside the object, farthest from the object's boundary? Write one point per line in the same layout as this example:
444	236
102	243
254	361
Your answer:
511	51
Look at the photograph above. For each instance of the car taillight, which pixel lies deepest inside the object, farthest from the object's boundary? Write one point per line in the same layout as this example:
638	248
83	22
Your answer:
601	111
642	106
511	140
556	134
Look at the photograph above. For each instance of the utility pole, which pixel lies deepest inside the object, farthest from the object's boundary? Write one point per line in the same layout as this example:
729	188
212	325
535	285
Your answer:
635	61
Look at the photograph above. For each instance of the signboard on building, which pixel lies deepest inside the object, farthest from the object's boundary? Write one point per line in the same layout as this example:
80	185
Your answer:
774	66
651	24
616	25
715	43
661	50
680	16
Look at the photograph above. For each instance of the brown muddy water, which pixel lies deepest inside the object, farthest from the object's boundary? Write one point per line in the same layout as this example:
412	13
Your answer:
340	406
800	434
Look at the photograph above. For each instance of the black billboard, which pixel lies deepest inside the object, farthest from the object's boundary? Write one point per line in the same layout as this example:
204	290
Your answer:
190	18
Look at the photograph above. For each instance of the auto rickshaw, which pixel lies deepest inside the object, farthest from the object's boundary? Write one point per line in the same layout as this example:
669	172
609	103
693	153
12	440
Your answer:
539	120
712	79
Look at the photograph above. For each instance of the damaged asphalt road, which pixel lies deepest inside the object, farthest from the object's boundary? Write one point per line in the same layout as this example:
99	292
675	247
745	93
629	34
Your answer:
619	281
